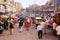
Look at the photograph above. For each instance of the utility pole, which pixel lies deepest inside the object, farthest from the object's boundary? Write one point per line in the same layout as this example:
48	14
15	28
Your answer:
54	7
34	8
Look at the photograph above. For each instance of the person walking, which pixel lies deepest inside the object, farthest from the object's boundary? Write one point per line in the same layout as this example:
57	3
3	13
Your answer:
43	24
26	25
31	21
6	25
20	25
39	29
54	28
36	23
58	30
1	27
48	23
11	27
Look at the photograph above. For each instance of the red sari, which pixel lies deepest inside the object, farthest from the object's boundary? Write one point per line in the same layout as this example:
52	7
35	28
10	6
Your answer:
26	25
31	21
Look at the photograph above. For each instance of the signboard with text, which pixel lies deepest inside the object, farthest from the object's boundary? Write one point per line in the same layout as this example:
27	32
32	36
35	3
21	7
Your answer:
58	1
2	9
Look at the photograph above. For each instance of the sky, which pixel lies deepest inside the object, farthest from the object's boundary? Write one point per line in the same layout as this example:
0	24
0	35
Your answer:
26	3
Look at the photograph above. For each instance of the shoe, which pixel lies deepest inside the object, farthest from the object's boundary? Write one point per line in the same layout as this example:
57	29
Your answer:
39	37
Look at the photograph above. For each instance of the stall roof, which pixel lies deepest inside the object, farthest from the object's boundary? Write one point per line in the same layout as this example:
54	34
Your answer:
38	18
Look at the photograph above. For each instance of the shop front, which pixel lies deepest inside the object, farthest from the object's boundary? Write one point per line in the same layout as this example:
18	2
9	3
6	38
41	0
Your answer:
57	17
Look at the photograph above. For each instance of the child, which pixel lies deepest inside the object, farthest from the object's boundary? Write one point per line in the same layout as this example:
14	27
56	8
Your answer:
39	29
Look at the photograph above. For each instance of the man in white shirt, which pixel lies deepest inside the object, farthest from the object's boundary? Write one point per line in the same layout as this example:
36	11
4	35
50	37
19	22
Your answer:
39	29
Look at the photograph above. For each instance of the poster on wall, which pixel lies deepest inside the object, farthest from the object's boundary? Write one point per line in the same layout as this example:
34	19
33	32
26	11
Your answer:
2	9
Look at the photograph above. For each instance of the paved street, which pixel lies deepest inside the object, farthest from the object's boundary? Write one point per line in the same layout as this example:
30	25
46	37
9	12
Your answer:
26	35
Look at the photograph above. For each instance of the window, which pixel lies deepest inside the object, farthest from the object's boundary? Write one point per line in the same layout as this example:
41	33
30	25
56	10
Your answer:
4	0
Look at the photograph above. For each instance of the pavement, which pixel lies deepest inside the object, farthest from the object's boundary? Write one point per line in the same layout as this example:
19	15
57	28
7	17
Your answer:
26	35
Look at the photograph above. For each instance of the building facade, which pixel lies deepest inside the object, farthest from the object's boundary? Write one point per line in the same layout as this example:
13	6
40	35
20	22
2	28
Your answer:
9	5
18	6
5	1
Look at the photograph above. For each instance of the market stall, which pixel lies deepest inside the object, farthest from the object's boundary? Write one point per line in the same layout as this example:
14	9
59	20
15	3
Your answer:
57	17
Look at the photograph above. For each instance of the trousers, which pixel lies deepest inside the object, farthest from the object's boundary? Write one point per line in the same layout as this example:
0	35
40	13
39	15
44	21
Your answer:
40	34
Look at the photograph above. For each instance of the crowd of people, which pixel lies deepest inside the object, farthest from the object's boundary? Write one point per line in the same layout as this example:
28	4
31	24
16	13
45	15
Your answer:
8	24
48	24
41	26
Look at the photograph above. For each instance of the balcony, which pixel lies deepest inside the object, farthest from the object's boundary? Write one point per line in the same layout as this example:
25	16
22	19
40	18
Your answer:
3	3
